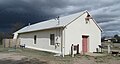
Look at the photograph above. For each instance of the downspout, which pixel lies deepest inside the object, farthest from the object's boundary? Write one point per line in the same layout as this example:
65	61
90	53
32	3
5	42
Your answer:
63	42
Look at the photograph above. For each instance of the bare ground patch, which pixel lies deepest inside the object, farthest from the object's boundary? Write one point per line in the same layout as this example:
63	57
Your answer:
29	56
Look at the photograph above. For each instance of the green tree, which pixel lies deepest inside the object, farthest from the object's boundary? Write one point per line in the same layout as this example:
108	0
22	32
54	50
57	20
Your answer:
117	37
1	37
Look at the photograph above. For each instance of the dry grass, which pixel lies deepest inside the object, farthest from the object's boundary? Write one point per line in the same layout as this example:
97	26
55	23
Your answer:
40	57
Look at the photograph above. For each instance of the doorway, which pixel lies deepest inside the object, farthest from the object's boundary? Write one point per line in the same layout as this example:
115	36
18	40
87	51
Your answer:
85	43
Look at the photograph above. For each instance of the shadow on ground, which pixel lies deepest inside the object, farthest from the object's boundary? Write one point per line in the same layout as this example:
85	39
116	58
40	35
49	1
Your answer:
22	61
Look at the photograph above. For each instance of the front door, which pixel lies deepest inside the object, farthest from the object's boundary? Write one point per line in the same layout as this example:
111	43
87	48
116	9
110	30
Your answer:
85	44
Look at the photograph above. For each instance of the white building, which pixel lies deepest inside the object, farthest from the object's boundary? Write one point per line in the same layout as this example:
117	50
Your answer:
57	35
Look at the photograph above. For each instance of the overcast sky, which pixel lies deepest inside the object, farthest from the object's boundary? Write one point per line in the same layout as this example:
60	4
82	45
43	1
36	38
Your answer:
105	12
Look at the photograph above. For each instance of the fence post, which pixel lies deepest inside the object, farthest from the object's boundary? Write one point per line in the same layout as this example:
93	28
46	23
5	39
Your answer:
3	41
77	48
9	43
72	50
108	49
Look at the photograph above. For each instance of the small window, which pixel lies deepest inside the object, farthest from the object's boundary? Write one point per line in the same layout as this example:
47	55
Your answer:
35	39
52	39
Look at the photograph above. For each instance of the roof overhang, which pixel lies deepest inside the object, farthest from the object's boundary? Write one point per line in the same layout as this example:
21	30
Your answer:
42	29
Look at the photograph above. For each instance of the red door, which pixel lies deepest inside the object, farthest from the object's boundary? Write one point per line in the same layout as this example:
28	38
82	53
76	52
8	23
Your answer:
84	44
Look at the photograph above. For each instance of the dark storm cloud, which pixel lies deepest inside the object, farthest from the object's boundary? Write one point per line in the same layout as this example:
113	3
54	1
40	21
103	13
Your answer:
105	12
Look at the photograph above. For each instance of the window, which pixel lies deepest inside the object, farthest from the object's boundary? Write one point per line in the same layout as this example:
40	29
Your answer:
52	39
35	39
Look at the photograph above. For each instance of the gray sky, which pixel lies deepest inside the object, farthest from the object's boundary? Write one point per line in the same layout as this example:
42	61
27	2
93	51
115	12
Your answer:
105	12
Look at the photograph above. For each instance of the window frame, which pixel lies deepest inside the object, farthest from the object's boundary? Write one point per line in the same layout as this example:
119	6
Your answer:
52	39
35	38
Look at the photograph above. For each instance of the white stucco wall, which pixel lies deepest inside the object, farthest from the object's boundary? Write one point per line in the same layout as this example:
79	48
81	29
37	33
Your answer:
72	34
42	40
75	30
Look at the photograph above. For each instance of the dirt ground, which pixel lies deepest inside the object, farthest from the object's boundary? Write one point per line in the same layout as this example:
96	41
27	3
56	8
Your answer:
17	58
12	56
29	56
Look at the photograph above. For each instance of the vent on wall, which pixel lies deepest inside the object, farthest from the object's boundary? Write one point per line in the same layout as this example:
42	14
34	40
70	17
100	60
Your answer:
87	19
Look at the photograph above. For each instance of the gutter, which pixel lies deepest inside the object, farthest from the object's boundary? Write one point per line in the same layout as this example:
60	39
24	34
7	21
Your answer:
40	29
